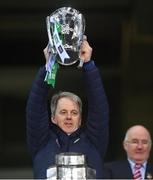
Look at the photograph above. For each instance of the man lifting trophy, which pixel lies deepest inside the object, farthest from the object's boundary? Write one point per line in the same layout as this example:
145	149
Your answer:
61	146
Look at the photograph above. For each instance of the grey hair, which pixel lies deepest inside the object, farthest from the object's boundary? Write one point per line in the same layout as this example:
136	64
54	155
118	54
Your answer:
56	97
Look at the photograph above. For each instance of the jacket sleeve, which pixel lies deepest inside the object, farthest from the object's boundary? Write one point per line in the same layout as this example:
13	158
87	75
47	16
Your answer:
37	118
98	112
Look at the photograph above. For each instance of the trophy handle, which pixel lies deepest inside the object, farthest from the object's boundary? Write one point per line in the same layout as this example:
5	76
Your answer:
80	64
49	35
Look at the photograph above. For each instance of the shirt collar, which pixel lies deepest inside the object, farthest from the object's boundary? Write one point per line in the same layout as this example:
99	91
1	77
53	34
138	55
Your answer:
132	164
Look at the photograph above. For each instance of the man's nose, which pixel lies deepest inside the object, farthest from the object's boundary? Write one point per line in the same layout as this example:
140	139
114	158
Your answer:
69	115
140	144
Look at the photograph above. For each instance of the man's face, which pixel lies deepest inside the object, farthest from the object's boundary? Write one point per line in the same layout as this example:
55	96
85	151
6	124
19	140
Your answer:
67	115
138	145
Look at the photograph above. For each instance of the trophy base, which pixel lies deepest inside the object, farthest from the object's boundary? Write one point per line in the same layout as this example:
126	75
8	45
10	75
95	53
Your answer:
74	57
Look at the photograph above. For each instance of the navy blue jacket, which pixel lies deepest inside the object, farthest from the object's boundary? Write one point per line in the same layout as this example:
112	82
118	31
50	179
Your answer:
122	170
45	140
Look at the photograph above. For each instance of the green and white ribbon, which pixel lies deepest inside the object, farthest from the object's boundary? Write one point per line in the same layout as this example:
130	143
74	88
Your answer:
58	44
51	68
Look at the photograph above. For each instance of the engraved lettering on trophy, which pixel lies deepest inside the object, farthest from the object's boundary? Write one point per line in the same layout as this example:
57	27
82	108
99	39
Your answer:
67	46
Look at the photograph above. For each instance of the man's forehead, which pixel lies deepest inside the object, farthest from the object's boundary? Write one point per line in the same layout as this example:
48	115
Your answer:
138	132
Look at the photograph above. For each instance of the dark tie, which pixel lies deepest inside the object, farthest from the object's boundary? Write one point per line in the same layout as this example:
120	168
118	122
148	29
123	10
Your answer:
137	173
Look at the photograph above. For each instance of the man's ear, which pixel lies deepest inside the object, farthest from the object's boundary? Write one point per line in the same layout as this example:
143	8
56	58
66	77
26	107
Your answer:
125	145
80	122
53	120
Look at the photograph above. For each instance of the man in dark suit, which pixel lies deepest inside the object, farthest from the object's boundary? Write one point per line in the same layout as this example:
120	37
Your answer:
137	145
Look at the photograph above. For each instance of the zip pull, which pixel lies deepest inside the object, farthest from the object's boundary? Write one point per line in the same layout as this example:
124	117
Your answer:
76	140
57	142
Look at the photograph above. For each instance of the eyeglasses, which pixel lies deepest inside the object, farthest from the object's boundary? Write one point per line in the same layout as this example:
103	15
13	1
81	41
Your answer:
137	142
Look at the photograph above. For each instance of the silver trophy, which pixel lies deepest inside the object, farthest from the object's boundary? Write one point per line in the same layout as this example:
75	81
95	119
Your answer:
70	166
65	28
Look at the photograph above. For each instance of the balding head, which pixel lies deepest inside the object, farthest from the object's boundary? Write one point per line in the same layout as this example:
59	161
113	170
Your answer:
137	128
137	143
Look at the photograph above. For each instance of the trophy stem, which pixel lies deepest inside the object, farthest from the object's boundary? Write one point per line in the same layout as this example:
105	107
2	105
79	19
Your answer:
80	64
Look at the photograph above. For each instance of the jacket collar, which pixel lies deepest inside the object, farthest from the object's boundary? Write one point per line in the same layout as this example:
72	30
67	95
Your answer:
64	137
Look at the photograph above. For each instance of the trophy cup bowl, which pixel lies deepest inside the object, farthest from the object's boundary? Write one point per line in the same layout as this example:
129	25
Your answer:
65	29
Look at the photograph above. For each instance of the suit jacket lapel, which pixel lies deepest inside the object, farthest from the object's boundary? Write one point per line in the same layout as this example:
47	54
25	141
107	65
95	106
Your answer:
128	170
149	171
